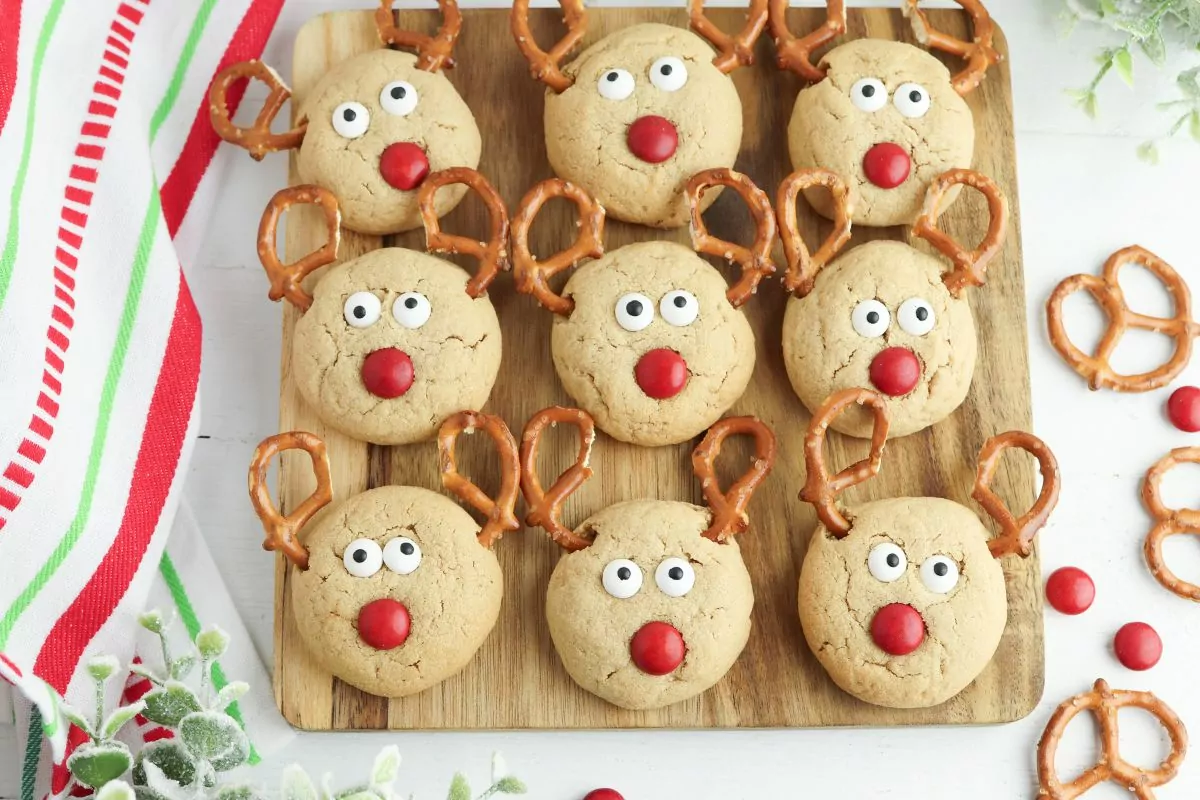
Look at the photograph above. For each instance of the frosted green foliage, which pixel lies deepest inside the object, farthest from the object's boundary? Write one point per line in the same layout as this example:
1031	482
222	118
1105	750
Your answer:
170	757
116	790
95	765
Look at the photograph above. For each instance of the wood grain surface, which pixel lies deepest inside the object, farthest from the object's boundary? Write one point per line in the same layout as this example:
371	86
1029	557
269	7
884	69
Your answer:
516	680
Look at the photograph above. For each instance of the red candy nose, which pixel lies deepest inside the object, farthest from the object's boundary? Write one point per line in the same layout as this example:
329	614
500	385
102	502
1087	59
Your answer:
898	629
887	165
384	624
895	371
652	139
661	373
387	373
657	648
404	165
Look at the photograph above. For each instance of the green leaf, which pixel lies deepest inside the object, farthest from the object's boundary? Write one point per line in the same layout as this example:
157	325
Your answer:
1123	62
295	784
116	790
170	758
1091	105
1155	48
101	668
1189	83
459	789
386	767
96	764
1108	8
212	642
160	784
510	785
170	704
239	792
152	621
75	717
117	719
1195	125
229	694
359	794
1148	152
215	738
146	672
181	666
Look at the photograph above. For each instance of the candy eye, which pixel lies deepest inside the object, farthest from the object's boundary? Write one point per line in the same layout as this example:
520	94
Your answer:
939	574
615	84
361	310
402	555
350	120
668	73
679	308
912	100
399	98
869	94
871	319
887	562
634	312
412	310
915	316
622	578
675	577
363	558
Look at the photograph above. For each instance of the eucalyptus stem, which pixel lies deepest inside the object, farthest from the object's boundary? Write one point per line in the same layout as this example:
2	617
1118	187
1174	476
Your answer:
166	652
99	711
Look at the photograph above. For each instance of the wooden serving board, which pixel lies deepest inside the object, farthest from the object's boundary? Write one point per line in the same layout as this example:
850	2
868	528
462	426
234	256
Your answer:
516	680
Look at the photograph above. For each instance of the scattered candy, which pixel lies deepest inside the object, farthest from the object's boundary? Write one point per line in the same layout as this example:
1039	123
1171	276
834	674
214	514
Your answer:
1183	408
603	794
1137	646
1070	590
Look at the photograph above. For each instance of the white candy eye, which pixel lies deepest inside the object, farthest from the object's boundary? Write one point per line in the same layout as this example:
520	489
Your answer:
869	94
361	310
871	319
887	562
679	308
402	555
634	312
675	577
939	574
912	100
615	84
668	73
399	98
622	578
915	316
350	120
362	558
412	310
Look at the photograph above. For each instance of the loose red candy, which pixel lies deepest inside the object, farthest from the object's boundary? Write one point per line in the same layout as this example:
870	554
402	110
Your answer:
1070	590
1184	409
603	794
1137	646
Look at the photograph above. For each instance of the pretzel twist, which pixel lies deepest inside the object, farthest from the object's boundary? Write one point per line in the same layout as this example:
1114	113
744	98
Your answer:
970	266
286	278
803	266
257	139
1104	703
499	512
729	515
492	254
282	531
433	52
755	261
979	53
545	507
1106	290
797	54
1016	534
1169	522
544	66
533	276
821	490
732	51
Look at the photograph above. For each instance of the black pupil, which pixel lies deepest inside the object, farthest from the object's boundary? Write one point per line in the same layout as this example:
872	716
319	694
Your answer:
676	573
922	313
873	317
940	569
868	90
407	548
665	69
349	115
398	92
915	96
680	301
893	560
634	307
624	574
410	302
612	77
360	312
359	556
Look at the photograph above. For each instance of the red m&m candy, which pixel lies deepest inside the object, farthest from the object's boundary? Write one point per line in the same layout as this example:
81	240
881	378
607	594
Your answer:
1137	646
1070	590
1183	408
603	794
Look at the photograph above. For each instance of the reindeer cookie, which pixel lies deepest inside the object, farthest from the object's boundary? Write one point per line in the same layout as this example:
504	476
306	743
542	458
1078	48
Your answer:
636	644
903	600
394	341
886	115
649	339
373	128
395	589
884	316
642	110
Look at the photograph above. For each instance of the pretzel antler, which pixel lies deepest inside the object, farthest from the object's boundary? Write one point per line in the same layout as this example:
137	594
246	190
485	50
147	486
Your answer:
729	509
970	266
257	139
1016	535
546	506
821	490
796	54
282	531
285	278
732	51
1106	289
1169	522
499	511
544	66
978	53
493	254
433	52
755	260
533	276
803	267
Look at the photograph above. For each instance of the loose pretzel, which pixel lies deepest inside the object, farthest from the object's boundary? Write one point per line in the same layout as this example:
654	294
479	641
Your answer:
1016	535
755	261
796	54
821	490
546	506
970	266
499	511
533	276
803	266
544	66
286	278
282	531
732	51
257	139
1104	703
978	53
1169	522
493	254
433	52
1106	289
729	508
